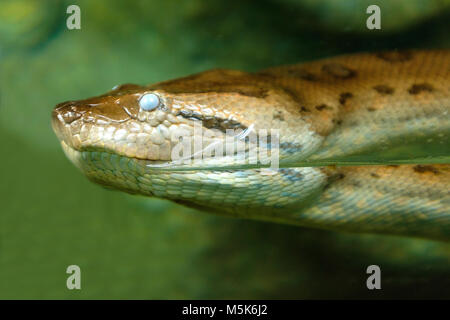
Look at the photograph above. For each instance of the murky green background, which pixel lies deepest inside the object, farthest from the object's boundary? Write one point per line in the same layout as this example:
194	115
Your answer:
137	248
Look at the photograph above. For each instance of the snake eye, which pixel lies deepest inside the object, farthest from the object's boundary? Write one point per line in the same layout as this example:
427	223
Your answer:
149	101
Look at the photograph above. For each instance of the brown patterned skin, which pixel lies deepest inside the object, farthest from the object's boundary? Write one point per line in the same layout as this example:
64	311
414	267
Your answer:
330	109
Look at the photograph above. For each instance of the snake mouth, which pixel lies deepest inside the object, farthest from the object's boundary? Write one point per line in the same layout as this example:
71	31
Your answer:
129	138
152	147
101	158
95	154
109	170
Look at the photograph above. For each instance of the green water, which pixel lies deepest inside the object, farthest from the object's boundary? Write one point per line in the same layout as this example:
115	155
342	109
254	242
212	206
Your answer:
132	247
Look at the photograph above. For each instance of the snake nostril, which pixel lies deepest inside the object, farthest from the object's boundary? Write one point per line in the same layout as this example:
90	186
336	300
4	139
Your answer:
66	112
70	116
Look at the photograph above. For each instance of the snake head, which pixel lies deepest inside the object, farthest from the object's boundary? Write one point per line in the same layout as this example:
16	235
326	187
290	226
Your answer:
187	119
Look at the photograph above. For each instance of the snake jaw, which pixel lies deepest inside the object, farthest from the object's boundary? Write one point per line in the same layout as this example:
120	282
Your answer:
119	142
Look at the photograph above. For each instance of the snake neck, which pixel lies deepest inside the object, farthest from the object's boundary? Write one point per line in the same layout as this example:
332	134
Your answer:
367	106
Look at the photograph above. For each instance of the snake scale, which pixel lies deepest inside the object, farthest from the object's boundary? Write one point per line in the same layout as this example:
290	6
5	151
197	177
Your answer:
327	109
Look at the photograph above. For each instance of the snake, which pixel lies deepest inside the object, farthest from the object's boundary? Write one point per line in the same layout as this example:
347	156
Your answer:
352	105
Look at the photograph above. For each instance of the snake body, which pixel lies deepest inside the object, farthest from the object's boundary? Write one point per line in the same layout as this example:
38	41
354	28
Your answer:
335	108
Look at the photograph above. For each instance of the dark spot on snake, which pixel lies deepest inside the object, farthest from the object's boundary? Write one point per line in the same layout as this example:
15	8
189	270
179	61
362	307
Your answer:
293	94
370	109
344	96
278	115
257	93
302	74
374	175
339	71
333	178
231	124
383	89
197	115
304	109
212	122
327	185
395	56
393	165
185	113
421	87
323	107
340	176
425	168
336	121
